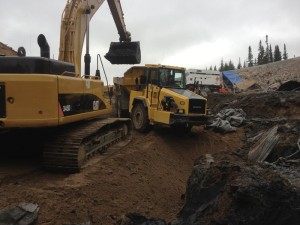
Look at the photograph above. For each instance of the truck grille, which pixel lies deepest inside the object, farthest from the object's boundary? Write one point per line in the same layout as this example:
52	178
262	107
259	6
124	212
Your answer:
197	106
2	101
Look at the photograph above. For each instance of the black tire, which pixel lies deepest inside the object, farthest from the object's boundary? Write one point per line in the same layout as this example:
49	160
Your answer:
139	118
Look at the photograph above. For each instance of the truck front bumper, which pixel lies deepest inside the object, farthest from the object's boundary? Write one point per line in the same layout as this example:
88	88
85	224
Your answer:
188	119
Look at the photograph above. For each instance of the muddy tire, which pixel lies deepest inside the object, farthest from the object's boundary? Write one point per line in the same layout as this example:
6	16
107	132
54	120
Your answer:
139	117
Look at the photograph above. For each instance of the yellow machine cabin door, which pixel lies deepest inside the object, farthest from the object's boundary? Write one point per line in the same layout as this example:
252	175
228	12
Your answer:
153	87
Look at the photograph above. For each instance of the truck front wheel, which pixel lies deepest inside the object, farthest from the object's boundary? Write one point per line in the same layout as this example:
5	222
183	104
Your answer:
139	117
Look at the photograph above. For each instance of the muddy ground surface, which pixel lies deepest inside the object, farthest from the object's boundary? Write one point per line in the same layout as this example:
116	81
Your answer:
147	176
150	174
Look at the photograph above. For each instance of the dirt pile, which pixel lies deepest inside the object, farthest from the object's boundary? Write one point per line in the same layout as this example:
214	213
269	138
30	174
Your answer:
6	50
148	176
272	75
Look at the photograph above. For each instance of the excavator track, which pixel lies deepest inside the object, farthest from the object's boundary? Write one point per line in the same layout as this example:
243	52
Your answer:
70	149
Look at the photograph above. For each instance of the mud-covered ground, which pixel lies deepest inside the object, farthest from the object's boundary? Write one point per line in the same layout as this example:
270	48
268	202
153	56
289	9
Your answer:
150	174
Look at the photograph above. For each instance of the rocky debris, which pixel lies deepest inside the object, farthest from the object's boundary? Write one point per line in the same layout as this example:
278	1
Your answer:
226	188
23	214
227	120
261	105
262	148
264	111
6	50
272	75
230	190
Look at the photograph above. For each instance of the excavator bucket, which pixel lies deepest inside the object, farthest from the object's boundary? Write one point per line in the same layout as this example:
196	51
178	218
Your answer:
124	53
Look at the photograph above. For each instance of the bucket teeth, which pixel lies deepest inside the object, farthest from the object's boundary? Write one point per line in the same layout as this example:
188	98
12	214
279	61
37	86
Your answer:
124	53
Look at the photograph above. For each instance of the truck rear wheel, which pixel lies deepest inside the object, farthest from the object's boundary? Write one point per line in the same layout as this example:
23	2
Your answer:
139	117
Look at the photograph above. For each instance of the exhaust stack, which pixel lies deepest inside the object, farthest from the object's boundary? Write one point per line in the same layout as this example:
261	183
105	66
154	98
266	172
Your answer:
45	49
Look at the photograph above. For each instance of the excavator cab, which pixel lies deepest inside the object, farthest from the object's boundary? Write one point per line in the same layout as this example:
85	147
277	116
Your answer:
128	52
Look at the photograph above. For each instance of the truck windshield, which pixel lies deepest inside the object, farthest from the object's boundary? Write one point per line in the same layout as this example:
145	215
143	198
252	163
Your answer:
172	78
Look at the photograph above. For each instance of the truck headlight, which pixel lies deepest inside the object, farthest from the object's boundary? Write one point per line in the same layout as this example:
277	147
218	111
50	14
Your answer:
180	111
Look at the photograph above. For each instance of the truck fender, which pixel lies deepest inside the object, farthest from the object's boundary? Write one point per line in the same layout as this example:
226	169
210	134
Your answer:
140	100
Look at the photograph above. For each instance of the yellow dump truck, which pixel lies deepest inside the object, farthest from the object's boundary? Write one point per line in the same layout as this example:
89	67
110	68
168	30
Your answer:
156	95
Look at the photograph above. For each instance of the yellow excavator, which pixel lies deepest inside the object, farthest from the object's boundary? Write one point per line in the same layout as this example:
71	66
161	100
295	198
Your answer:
51	96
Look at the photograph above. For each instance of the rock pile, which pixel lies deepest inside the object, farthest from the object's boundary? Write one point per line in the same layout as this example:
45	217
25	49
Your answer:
232	191
6	50
272	75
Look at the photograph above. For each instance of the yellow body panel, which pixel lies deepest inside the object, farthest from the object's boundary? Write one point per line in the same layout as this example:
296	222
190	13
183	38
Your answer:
70	85
155	113
158	116
133	95
32	100
82	86
28	102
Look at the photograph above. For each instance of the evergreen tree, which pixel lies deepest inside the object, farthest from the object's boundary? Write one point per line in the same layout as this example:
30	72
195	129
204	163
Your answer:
244	66
250	57
266	55
239	66
261	53
285	55
210	68
221	66
231	65
226	67
255	62
277	54
215	68
271	54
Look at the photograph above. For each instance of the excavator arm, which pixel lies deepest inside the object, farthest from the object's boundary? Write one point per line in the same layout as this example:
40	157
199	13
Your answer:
118	15
75	27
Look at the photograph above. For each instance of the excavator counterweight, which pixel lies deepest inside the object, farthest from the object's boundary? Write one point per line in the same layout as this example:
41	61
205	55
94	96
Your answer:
124	53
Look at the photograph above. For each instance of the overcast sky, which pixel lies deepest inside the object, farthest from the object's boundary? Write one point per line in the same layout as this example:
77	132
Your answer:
190	33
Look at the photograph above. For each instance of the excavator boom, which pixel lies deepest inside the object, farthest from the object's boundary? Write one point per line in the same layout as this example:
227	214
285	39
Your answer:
74	26
125	51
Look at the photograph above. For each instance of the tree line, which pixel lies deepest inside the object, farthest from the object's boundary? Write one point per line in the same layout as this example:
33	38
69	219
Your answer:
265	55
